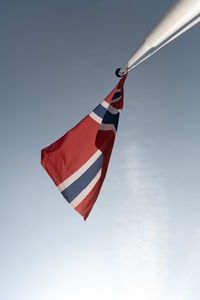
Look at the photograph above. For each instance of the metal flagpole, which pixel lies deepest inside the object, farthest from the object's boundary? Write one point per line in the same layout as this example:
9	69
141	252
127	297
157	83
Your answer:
181	16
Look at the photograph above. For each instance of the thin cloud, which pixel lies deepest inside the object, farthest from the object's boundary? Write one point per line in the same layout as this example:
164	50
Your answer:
142	229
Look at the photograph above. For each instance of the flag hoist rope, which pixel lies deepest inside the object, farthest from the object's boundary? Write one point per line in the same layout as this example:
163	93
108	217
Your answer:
190	25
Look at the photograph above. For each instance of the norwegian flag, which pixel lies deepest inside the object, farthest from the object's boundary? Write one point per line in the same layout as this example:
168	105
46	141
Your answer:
78	161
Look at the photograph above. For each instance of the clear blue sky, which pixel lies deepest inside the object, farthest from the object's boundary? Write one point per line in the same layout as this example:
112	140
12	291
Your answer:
142	239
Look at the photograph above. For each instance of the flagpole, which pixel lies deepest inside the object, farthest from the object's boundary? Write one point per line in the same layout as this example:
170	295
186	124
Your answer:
180	17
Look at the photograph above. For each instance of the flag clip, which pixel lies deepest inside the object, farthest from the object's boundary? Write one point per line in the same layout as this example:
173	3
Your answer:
119	73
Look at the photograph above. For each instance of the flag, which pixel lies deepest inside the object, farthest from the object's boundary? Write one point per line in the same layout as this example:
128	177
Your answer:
78	161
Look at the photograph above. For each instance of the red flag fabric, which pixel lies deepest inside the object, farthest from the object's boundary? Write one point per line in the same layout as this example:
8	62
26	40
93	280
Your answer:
78	161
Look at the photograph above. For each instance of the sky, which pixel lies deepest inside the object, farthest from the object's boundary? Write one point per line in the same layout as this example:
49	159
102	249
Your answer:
142	238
